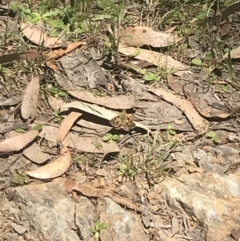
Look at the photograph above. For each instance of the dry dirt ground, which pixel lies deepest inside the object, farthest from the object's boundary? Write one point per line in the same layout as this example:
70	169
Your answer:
119	121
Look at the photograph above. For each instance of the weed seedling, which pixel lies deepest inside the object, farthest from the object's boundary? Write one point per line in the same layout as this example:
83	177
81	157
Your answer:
98	226
110	137
214	137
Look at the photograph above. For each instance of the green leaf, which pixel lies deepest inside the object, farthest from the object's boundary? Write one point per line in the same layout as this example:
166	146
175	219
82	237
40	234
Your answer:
38	127
197	62
136	52
99	226
150	76
216	139
20	130
115	137
107	137
211	134
93	230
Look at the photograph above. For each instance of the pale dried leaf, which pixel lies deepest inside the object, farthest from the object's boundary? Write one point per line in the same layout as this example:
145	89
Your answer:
10	101
200	125
88	190
55	168
18	142
39	37
35	154
113	102
60	52
234	53
66	125
55	103
155	58
139	35
30	99
85	144
69	184
98	111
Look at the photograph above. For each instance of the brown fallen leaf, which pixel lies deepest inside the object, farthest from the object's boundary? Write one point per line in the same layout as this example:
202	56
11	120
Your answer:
18	56
113	102
88	190
50	56
200	125
30	99
66	125
153	57
70	184
85	144
18	142
139	35
55	168
35	154
55	103
39	37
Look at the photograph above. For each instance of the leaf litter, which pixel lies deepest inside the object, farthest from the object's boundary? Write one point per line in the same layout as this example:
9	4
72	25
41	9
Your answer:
90	114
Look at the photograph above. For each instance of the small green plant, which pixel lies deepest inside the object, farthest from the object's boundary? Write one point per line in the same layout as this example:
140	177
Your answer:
56	92
170	132
57	116
79	159
214	137
110	137
20	178
126	166
98	226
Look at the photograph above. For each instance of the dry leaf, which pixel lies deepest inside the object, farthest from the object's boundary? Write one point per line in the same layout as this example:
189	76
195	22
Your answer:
55	168
200	125
60	52
30	99
66	125
88	190
39	37
98	111
69	184
55	103
139	35
85	144
18	56
35	154
113	102
156	58
18	142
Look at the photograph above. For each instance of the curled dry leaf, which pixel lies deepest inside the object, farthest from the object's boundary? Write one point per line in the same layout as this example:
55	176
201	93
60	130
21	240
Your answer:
55	168
39	37
18	142
113	102
30	99
139	35
98	111
67	124
200	125
60	52
155	58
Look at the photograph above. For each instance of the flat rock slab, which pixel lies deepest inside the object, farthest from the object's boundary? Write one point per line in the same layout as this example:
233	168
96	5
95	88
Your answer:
45	211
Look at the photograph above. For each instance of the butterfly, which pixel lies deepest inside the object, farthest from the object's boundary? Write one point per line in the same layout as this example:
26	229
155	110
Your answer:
123	121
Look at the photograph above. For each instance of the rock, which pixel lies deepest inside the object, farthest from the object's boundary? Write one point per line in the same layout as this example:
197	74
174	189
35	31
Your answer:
49	210
121	224
85	217
211	198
